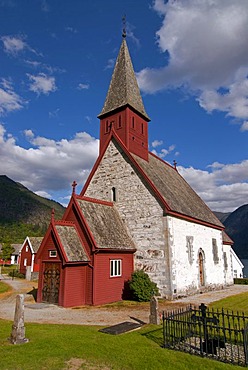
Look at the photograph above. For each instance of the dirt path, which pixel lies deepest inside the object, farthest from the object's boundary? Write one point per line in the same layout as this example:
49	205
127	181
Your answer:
104	315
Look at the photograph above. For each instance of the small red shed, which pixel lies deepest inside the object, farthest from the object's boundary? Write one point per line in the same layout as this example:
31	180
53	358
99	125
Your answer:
86	258
28	251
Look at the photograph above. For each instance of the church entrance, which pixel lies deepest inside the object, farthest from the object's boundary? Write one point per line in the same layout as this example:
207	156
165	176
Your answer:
201	268
51	282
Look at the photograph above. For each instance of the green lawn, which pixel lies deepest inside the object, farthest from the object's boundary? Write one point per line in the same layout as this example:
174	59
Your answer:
4	287
53	346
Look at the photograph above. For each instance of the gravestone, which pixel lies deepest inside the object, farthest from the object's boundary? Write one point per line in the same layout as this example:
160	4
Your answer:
18	328
154	314
28	273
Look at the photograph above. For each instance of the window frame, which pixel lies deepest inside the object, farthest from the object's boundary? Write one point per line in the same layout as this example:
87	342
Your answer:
115	268
51	252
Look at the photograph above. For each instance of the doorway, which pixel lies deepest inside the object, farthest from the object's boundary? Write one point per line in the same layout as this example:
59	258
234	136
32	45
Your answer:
51	283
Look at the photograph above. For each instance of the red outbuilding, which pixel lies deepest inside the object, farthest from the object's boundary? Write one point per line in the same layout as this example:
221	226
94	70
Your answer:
86	258
28	251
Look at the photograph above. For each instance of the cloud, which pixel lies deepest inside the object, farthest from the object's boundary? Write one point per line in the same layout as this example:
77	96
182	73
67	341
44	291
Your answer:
48	166
163	152
205	49
42	83
82	86
9	100
156	143
14	45
224	189
110	64
71	29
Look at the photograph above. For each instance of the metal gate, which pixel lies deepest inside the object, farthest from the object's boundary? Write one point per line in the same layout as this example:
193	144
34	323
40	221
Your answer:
51	282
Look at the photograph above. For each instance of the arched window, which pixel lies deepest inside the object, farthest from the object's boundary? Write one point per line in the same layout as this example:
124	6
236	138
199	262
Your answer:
113	194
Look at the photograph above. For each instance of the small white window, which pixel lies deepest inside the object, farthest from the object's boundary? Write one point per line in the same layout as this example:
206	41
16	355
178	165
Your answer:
25	262
115	268
26	248
52	253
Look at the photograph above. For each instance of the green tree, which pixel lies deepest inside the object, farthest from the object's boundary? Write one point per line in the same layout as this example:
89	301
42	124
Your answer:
6	252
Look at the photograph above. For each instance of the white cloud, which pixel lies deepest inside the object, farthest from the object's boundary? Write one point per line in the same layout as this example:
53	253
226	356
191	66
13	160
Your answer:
42	84
163	152
206	44
224	189
71	29
156	143
9	100
110	64
82	86
49	166
14	45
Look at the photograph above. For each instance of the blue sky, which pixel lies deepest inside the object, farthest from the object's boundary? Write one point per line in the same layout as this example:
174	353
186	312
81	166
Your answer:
191	60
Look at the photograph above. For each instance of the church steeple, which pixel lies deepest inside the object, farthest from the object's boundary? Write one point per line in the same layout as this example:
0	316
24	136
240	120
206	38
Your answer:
123	109
123	89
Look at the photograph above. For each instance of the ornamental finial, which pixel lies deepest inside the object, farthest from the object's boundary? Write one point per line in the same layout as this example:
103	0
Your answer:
74	184
124	32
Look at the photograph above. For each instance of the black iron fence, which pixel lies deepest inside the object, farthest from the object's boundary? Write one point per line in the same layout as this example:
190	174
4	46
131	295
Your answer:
218	334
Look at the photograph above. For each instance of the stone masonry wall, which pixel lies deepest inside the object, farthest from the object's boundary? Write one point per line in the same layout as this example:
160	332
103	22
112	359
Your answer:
139	210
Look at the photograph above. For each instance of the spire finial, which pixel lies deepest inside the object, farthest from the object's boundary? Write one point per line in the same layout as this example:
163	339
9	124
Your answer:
124	32
74	184
175	164
52	215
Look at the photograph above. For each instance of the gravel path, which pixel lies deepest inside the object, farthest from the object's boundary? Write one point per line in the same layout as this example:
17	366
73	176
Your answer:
46	313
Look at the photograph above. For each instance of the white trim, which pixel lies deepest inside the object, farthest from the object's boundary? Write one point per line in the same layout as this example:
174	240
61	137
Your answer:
115	268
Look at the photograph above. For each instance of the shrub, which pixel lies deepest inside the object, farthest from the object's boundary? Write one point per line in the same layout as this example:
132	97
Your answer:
241	281
142	288
17	274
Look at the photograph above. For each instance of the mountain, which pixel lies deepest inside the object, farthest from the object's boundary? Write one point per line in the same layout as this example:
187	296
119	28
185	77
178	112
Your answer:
22	212
222	216
237	228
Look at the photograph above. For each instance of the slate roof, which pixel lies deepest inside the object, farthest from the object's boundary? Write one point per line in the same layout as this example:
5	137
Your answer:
17	249
35	242
106	226
226	238
123	88
71	243
177	193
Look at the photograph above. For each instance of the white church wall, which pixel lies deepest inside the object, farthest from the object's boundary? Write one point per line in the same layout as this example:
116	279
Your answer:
187	240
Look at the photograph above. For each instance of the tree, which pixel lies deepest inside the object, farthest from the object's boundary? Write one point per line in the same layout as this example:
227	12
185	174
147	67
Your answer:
7	250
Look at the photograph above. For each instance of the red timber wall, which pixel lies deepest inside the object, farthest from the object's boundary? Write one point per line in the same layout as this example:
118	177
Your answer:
110	289
130	127
25	255
74	283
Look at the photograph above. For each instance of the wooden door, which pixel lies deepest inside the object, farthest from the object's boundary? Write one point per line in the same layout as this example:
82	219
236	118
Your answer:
51	283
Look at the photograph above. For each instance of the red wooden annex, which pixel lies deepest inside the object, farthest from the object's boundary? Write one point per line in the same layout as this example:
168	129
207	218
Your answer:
86	258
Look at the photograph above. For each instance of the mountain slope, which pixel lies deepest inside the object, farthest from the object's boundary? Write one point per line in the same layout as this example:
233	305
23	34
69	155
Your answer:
19	206
237	228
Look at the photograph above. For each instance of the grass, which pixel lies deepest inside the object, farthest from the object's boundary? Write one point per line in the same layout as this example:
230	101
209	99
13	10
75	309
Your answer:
54	346
234	303
4	287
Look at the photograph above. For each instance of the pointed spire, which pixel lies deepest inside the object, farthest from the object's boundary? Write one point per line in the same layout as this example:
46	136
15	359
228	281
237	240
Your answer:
123	89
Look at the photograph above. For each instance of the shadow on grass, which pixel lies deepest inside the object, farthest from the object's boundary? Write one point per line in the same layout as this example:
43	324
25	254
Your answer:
156	335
